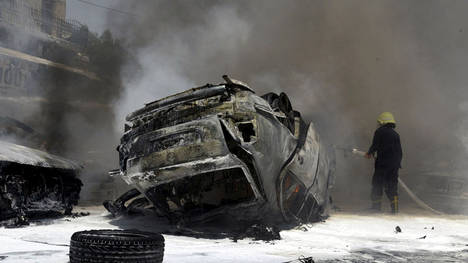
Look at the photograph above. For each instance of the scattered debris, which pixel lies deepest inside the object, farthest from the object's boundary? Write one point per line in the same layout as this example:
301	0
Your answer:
302	259
397	229
136	206
80	214
260	232
14	223
301	228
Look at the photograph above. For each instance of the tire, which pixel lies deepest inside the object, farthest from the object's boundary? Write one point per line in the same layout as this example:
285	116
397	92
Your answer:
100	246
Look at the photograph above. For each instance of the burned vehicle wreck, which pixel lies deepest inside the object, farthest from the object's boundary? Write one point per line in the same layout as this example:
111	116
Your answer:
223	150
33	183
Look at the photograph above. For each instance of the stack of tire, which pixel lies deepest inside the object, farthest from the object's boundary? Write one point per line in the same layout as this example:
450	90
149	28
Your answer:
101	246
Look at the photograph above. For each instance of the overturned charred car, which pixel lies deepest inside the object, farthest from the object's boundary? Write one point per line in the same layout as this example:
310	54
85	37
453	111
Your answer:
33	183
223	150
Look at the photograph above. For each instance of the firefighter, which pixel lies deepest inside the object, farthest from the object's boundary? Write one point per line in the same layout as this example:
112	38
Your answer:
386	147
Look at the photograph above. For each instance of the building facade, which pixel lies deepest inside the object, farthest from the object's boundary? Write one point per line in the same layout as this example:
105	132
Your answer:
36	41
47	16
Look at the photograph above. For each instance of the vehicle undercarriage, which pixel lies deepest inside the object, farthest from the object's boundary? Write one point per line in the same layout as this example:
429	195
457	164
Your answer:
222	150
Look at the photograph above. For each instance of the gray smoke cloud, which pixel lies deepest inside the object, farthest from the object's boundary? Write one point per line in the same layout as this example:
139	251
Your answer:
70	113
341	62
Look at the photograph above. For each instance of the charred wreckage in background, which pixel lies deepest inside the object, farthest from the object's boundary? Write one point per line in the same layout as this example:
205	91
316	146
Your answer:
33	183
223	150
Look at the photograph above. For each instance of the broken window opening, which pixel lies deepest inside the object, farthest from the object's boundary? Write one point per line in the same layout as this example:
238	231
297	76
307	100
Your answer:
247	130
283	104
203	192
127	127
243	155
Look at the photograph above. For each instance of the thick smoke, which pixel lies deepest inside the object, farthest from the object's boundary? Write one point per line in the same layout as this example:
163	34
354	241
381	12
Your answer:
341	62
71	114
77	117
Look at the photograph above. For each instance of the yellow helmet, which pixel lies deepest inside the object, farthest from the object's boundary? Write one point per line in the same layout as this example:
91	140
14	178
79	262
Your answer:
385	118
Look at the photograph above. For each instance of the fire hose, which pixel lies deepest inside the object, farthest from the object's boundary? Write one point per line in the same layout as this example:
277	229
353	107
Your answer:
413	196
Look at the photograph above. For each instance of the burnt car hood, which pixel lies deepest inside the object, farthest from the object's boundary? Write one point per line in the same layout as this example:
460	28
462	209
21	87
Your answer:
14	153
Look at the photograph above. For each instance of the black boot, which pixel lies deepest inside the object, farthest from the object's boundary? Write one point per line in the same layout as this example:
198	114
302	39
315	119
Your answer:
394	204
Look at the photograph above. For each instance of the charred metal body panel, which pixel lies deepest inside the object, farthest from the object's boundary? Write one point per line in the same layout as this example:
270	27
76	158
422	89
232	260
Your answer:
35	183
221	149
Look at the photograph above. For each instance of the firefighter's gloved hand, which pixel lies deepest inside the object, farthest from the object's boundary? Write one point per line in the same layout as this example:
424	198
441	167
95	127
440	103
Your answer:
368	156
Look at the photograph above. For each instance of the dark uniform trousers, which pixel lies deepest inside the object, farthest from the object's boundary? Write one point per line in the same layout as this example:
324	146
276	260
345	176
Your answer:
385	179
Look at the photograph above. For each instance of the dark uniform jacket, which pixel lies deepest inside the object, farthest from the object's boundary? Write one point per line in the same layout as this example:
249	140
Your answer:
387	144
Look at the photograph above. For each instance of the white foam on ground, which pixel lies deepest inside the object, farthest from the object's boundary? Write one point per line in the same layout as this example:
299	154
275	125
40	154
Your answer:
342	237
